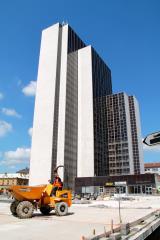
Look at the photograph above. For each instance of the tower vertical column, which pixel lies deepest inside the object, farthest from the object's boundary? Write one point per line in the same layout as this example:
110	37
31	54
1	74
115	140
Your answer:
42	138
85	114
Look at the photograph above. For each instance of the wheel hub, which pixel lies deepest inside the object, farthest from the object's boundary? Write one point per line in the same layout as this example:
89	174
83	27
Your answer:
25	210
62	208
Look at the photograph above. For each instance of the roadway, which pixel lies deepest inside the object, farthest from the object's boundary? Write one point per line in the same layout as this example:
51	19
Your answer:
81	220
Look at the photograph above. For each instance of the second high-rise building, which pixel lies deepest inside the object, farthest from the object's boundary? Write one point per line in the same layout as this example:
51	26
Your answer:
118	121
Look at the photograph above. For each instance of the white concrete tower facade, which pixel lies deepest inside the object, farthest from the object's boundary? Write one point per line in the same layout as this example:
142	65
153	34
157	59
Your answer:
137	146
63	125
85	114
41	150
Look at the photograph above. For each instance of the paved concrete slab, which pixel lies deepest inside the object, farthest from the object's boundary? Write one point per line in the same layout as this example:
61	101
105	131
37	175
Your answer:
81	220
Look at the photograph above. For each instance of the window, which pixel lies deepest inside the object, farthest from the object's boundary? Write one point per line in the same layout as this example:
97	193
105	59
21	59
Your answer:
101	189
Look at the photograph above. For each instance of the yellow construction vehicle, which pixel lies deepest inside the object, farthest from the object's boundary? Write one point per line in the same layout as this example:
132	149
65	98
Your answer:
28	198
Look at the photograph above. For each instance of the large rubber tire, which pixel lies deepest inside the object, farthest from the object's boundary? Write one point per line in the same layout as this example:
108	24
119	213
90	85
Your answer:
61	209
13	207
25	209
45	210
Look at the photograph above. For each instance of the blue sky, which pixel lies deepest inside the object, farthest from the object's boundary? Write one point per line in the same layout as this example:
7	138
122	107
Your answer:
125	33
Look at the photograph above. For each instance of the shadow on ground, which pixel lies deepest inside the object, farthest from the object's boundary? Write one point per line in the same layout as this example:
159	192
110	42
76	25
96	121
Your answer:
40	215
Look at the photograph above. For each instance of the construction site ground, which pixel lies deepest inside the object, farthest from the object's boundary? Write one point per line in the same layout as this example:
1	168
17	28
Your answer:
82	219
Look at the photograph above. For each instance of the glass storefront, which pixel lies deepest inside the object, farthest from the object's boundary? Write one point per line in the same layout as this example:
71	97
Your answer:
140	189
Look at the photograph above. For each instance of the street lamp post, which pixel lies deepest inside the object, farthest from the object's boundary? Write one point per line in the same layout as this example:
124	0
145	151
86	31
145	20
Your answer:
119	206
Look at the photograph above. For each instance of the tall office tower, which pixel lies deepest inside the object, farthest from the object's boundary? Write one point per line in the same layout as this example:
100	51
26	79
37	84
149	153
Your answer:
123	134
71	76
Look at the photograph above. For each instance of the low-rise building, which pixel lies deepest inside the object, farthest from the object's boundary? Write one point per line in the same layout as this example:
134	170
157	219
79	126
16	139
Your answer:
153	167
9	179
126	184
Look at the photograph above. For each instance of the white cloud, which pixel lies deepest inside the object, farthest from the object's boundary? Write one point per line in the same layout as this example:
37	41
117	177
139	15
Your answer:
155	148
12	158
30	131
5	128
30	89
1	96
11	112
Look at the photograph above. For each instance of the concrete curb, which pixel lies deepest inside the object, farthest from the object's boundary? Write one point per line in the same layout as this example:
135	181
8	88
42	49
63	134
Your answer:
144	232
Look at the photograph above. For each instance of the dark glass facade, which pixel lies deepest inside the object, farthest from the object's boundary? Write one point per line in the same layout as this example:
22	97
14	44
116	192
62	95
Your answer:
101	74
102	86
71	121
118	147
74	42
71	114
